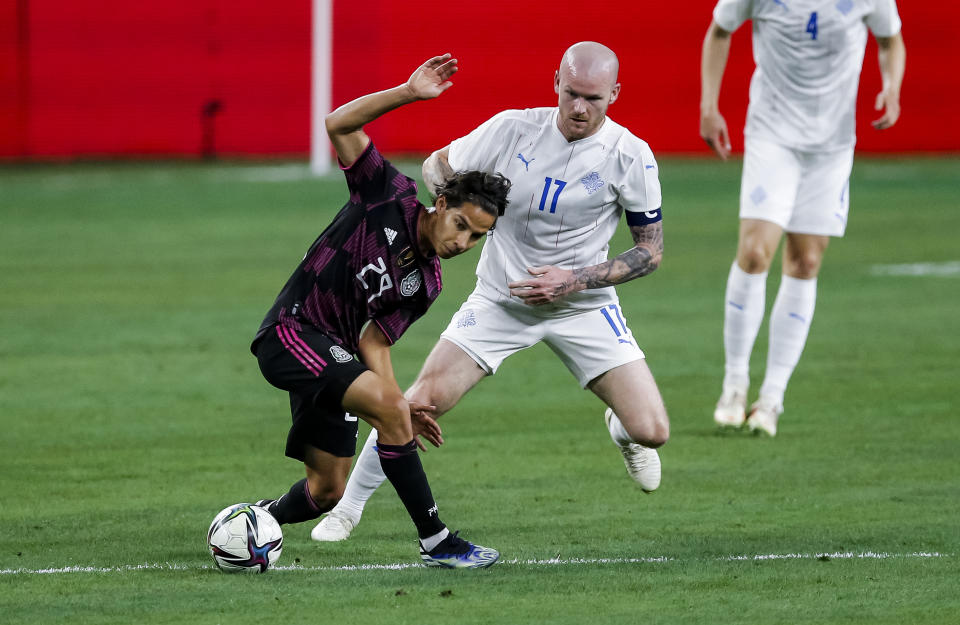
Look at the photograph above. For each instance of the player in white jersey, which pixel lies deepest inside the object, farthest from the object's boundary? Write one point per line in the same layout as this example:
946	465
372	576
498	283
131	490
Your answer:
798	153
545	275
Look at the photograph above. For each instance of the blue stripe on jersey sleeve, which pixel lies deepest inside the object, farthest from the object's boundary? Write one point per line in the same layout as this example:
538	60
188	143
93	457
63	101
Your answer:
644	219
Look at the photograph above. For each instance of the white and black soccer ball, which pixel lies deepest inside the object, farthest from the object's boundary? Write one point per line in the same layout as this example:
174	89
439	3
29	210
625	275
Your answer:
244	538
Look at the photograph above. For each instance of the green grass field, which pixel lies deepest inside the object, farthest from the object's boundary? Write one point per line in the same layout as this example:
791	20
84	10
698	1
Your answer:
132	411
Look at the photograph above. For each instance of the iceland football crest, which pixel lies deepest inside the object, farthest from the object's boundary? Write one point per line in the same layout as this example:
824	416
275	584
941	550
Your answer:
467	319
411	283
592	182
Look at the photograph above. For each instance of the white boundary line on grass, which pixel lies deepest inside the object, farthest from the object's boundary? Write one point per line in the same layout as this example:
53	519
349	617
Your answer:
948	268
397	566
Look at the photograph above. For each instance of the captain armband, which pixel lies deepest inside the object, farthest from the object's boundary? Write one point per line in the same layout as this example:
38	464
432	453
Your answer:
644	218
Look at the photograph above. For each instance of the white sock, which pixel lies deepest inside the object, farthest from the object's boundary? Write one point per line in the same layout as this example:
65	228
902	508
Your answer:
617	432
430	542
365	478
744	304
789	324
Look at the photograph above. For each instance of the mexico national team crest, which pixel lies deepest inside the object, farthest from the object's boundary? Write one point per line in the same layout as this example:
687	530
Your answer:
592	182
411	283
340	355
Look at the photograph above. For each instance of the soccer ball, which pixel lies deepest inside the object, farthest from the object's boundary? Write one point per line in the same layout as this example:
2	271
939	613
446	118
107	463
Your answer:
244	538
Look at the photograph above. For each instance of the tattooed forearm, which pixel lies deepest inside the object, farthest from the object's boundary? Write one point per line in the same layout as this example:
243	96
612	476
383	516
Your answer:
638	261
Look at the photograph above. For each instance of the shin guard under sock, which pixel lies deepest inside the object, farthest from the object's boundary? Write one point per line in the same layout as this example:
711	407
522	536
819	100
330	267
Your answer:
296	506
401	465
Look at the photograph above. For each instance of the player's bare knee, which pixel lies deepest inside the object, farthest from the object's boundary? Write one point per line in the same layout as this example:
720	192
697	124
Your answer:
435	389
648	426
804	266
326	494
393	425
390	408
753	258
654	434
333	495
428	393
659	432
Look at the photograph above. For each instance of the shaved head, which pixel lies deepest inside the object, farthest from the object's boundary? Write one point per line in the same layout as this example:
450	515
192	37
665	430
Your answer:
591	59
587	84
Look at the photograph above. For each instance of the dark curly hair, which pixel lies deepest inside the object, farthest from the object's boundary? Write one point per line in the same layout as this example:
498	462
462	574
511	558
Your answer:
486	190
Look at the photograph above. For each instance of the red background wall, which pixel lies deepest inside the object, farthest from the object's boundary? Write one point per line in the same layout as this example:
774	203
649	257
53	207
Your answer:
106	77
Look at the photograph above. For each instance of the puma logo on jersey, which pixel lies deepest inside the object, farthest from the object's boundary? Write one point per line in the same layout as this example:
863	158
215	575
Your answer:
525	161
391	235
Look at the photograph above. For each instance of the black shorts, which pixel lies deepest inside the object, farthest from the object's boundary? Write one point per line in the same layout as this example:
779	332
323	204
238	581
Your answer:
316	372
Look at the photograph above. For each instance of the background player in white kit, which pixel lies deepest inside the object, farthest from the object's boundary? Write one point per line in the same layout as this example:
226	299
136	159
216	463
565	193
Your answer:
544	275
800	133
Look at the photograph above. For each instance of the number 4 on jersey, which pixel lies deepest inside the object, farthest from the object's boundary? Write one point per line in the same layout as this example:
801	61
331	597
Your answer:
812	25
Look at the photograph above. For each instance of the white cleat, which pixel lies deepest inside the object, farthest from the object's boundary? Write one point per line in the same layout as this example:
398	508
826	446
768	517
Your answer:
333	528
731	408
764	414
643	463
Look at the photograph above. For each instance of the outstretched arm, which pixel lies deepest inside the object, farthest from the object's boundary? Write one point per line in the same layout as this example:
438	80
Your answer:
552	283
345	125
713	62
892	56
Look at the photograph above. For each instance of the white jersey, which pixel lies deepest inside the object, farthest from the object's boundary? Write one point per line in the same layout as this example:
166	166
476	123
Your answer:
809	54
566	199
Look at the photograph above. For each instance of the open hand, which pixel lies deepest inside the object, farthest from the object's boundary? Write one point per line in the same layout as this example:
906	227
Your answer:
433	77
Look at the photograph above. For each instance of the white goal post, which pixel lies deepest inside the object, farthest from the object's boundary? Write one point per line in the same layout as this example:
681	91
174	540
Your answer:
321	67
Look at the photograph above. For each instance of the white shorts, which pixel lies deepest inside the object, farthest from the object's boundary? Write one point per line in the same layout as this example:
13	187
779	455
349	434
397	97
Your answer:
589	343
802	192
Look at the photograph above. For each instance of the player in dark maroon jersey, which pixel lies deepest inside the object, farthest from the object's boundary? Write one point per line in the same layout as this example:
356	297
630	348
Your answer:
366	278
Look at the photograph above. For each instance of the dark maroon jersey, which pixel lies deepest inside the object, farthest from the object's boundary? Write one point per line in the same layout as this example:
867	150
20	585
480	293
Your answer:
366	266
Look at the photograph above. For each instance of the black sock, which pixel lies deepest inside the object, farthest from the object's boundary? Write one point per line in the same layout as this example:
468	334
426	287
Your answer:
296	506
401	465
